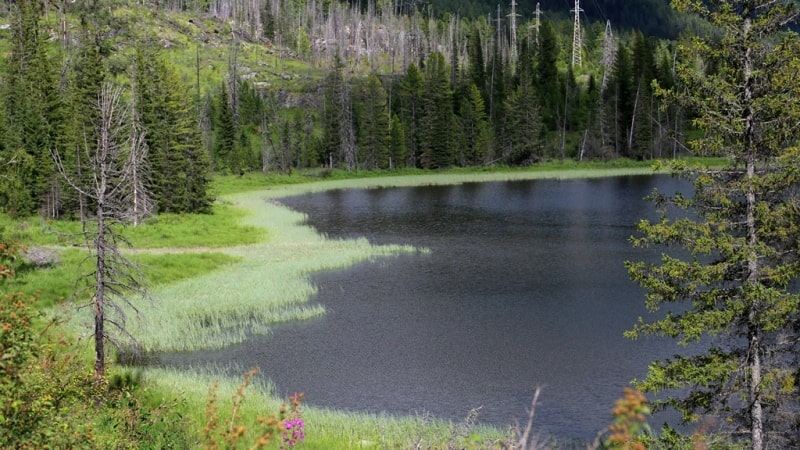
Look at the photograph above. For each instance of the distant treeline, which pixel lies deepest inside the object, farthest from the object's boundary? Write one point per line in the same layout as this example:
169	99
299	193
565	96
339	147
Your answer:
652	17
482	102
69	140
389	89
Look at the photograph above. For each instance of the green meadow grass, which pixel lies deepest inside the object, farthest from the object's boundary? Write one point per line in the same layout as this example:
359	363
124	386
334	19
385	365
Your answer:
57	283
218	278
270	283
324	429
221	228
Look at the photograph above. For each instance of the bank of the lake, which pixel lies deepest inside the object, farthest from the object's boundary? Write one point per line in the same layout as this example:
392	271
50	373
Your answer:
263	279
284	263
269	283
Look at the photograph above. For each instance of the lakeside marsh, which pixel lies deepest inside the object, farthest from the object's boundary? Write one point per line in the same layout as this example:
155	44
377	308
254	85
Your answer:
259	276
270	282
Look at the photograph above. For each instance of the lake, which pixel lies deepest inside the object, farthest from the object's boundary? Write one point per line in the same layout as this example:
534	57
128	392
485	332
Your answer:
524	287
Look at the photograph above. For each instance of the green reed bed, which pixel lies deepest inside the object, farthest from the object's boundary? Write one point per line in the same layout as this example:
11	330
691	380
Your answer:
420	178
271	283
268	285
324	429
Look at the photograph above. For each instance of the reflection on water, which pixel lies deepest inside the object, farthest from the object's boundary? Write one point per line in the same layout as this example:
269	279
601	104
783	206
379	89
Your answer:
525	287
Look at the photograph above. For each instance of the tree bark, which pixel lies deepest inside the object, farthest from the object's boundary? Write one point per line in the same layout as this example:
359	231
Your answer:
754	343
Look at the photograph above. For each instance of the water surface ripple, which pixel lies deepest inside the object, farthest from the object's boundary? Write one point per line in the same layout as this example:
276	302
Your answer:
525	287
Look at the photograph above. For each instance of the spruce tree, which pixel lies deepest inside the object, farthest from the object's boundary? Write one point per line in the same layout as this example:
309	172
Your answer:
397	143
734	272
332	113
624	96
410	99
547	75
640	139
477	69
179	165
523	126
592	138
436	141
224	133
87	76
474	130
34	116
373	124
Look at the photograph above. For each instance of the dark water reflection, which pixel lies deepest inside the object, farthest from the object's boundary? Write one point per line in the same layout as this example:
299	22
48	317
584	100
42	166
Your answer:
525	287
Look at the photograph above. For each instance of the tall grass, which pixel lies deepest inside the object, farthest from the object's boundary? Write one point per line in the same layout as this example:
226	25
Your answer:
66	275
325	429
222	228
270	283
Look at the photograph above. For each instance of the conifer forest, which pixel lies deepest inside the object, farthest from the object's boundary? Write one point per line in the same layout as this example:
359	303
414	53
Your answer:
385	85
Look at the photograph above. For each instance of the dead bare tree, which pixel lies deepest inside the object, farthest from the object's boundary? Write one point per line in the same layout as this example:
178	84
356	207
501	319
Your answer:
113	279
347	133
138	197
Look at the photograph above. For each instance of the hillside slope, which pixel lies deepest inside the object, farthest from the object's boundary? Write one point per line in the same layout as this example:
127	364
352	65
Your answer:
653	17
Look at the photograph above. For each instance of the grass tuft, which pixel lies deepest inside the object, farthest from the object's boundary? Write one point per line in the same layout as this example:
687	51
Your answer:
325	429
269	284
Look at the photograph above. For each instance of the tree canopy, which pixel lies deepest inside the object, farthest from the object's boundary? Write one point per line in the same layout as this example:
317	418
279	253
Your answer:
736	267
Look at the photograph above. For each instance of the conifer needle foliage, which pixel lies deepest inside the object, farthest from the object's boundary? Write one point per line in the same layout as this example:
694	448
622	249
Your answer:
734	272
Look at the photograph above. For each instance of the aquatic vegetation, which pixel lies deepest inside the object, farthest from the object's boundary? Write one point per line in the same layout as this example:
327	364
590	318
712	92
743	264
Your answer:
321	428
267	284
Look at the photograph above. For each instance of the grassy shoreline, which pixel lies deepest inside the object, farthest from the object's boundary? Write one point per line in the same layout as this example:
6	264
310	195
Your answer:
269	283
293	251
260	276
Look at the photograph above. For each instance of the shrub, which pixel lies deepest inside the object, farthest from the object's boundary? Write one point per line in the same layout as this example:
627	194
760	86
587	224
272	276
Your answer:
232	434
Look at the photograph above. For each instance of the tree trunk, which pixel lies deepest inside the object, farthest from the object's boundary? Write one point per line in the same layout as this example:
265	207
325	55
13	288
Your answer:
99	299
754	344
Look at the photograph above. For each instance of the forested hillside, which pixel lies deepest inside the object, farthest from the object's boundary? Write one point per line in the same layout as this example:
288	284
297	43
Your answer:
653	17
233	86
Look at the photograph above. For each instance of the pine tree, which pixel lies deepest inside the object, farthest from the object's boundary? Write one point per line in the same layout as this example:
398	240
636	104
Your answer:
332	115
477	66
34	116
410	99
87	76
225	133
523	126
497	87
373	124
735	272
397	144
592	138
640	139
547	75
623	97
308	151
474	130
179	165
436	141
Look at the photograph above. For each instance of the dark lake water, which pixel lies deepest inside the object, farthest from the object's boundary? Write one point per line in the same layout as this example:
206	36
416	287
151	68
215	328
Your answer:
524	287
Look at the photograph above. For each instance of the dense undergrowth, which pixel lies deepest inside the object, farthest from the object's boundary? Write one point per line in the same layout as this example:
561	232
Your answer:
50	399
